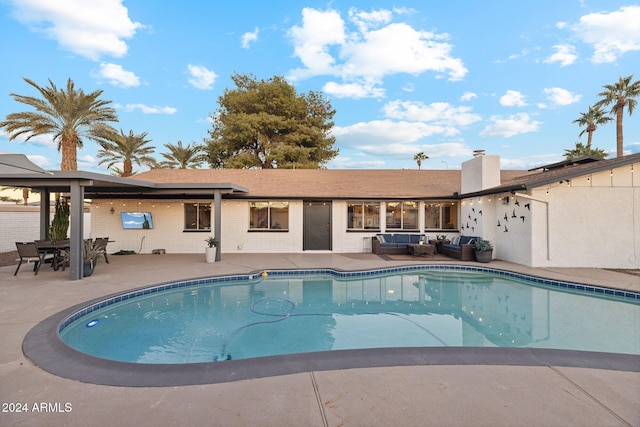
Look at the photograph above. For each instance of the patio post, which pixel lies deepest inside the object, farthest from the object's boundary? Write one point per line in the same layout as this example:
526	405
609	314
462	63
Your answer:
76	234
45	213
217	225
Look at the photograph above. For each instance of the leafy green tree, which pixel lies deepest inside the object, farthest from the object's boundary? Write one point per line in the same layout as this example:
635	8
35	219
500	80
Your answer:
581	150
183	157
68	115
126	149
266	124
590	121
419	158
619	95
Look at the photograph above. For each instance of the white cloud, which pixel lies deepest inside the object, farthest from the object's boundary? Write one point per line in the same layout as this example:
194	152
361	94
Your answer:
341	162
312	40
148	110
441	113
561	96
365	20
376	48
248	38
468	96
201	77
611	34
565	55
381	132
40	140
510	126
353	90
399	149
87	28
513	98
117	76
561	25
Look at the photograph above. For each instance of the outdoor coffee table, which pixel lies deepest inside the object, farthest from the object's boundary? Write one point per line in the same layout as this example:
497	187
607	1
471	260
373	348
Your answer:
424	249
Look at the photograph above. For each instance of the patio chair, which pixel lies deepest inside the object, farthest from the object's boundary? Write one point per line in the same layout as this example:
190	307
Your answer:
28	251
101	243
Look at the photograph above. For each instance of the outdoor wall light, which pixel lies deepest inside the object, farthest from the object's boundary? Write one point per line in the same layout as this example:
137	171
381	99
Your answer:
112	210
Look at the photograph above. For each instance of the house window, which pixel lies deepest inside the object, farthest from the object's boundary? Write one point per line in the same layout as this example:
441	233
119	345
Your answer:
197	216
268	215
441	216
363	215
402	215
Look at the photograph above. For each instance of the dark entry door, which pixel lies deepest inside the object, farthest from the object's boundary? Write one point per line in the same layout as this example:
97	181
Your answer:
317	226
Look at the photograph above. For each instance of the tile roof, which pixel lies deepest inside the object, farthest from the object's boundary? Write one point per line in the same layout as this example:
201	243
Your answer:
325	183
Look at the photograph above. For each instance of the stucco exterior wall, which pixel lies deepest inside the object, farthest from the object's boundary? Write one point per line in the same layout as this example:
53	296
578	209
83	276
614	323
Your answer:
593	221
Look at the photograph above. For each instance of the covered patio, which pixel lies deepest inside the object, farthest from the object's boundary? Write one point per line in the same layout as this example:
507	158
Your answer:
17	171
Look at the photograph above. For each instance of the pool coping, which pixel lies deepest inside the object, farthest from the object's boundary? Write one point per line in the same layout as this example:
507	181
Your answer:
43	346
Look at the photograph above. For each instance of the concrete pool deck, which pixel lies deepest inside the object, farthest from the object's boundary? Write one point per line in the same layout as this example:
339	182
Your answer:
395	395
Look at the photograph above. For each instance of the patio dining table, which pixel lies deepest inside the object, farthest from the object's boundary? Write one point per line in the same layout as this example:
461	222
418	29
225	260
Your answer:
54	249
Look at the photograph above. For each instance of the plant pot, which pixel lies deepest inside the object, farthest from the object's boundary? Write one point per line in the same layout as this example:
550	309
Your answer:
210	254
484	256
87	268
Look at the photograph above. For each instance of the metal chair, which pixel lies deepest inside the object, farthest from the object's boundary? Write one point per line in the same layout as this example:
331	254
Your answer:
101	243
28	251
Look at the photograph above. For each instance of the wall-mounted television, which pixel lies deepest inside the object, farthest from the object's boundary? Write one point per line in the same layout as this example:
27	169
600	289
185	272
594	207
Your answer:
136	220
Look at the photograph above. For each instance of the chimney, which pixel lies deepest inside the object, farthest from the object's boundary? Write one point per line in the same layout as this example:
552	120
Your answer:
480	173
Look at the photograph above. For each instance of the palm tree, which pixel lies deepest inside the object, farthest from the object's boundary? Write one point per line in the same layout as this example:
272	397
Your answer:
419	158
583	150
180	157
69	116
591	119
127	149
620	94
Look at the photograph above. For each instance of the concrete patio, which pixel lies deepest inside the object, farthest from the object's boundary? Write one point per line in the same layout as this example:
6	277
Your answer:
442	395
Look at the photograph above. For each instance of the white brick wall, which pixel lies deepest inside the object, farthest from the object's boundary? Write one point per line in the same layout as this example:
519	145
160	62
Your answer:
22	224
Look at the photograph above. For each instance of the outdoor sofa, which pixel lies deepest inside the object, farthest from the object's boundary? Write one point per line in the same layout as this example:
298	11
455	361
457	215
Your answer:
461	248
393	244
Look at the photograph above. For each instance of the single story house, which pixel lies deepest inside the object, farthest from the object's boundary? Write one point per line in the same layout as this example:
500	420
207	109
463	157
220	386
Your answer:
582	213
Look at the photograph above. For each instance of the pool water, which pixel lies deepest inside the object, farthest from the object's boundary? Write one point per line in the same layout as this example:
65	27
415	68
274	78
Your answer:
285	314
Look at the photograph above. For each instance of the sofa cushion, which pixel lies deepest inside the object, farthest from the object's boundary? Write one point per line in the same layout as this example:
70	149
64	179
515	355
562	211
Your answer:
451	247
455	240
465	240
385	238
401	238
415	238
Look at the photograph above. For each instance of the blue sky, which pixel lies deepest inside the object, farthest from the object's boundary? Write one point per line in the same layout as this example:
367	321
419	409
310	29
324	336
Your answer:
444	78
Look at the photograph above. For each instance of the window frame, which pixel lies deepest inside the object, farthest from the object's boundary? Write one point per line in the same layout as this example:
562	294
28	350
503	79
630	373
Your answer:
391	215
198	229
441	205
351	219
269	218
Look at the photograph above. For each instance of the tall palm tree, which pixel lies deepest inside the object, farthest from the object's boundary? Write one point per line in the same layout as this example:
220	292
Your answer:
591	119
582	151
69	116
127	149
183	157
620	94
418	158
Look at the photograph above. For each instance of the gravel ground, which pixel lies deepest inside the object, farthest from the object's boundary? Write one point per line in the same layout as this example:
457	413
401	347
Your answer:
8	258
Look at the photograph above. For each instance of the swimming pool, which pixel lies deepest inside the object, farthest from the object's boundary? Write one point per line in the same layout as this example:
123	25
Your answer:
305	311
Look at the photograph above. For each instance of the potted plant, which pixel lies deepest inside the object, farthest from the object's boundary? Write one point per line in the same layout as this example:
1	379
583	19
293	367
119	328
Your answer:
90	255
210	250
440	240
484	250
